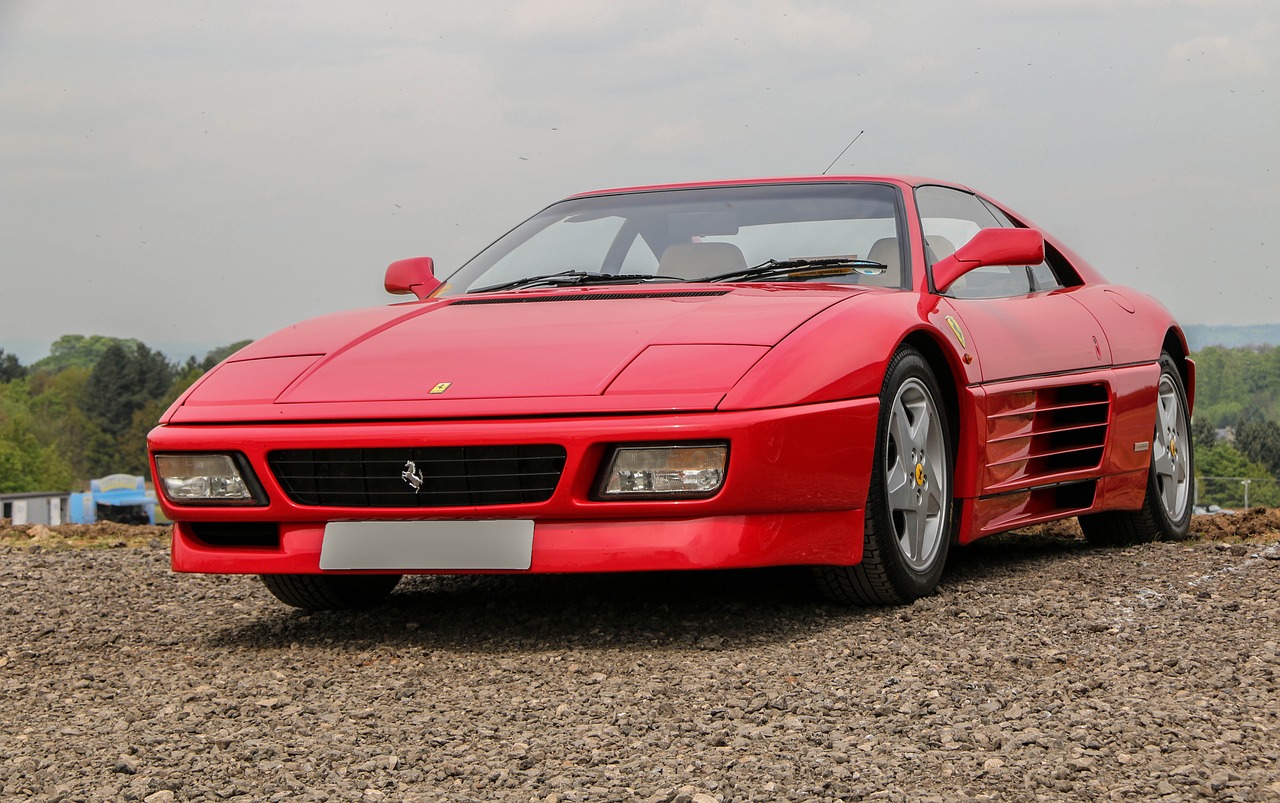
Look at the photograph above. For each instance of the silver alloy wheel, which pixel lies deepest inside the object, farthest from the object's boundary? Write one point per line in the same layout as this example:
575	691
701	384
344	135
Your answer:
1169	452
915	475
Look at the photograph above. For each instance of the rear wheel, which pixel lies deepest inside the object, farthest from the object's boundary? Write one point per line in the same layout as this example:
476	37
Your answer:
330	592
1166	509
910	512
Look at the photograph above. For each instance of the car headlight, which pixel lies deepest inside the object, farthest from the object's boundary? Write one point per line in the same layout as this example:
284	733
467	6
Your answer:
674	471
198	479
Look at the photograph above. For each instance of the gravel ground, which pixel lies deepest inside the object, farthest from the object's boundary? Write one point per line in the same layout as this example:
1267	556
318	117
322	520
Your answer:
1043	670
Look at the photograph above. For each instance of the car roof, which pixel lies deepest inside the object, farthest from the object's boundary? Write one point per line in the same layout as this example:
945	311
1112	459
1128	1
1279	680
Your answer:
907	181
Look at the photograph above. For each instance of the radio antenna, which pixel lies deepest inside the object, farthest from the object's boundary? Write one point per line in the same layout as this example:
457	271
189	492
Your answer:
846	147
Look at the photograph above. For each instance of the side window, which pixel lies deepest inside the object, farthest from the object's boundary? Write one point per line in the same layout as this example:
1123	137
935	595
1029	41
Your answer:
950	218
1043	276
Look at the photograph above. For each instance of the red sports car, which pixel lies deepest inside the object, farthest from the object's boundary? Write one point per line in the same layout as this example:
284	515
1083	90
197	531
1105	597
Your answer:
848	373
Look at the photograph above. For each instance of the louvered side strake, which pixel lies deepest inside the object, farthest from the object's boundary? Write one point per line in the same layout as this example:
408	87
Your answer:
1044	436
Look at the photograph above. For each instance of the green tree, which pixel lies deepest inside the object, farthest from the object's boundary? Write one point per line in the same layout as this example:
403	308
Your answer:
85	410
10	368
1220	470
1203	432
78	351
1235	384
27	464
1259	440
58	420
123	382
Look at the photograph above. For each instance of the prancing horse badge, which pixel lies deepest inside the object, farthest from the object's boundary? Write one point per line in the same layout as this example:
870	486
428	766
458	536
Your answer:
412	475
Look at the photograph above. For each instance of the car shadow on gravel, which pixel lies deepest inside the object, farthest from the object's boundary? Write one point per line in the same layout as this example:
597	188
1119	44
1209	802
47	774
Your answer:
993	557
711	610
642	611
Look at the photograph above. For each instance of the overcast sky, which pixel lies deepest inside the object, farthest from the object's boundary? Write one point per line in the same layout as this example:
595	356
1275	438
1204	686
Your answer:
200	173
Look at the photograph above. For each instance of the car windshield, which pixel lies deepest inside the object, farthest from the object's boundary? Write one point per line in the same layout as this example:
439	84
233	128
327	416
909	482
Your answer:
713	233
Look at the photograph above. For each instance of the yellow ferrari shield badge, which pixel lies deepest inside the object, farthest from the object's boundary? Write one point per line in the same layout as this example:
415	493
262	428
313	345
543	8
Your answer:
955	327
441	388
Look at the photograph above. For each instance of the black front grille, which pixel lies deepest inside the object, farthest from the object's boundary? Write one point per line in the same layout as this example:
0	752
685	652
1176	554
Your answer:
451	476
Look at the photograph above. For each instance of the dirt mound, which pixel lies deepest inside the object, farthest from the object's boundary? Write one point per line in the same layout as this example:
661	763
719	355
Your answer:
1258	523
105	535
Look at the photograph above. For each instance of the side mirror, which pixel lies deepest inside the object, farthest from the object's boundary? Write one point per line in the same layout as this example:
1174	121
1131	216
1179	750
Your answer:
990	247
414	275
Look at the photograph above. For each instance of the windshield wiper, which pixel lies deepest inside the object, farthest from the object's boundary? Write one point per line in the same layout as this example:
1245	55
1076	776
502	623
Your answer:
807	268
569	278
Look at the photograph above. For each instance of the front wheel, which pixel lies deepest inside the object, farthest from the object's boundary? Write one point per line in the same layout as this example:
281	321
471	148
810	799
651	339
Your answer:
330	592
1166	508
910	509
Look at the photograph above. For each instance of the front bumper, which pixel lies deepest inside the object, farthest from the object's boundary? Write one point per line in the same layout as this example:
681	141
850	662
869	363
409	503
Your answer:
794	491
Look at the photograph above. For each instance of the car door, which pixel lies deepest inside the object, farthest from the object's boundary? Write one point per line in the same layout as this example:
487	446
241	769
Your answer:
1042	407
1019	321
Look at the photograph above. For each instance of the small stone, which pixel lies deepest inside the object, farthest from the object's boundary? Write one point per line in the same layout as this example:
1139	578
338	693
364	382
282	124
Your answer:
163	796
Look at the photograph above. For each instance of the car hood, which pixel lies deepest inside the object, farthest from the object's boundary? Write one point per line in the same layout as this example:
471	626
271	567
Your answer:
539	353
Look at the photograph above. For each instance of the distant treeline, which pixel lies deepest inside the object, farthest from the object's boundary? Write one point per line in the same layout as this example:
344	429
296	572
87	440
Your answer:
1200	336
84	411
1238	400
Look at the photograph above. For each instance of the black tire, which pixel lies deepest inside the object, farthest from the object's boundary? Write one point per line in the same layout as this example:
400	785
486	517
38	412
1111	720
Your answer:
330	592
1166	509
912	474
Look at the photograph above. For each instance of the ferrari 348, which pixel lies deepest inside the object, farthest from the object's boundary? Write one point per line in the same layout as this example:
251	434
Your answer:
855	374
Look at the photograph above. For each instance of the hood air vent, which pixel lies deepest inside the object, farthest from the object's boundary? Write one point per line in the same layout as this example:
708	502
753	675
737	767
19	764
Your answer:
588	297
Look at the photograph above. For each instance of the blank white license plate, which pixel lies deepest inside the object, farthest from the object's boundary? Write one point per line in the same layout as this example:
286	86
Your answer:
427	545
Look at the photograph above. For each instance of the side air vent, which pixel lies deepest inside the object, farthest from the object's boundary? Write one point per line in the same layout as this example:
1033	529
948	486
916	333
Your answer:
1036	437
587	297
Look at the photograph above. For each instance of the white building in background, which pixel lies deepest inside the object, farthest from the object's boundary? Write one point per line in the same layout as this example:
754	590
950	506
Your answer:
34	508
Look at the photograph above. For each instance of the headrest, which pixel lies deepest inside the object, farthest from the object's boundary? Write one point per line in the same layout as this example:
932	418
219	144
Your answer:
697	260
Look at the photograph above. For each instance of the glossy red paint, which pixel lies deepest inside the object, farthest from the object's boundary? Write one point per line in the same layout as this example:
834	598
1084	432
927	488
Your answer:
1018	337
990	247
611	545
414	275
788	374
779	459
